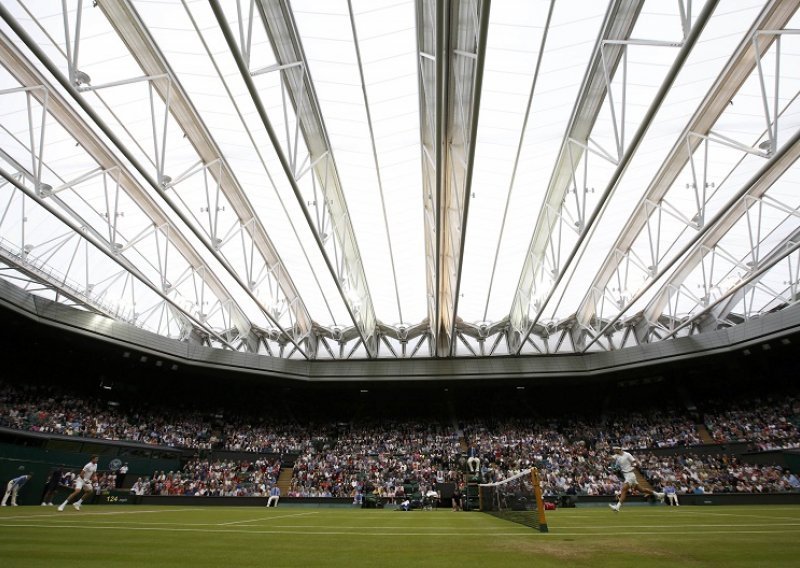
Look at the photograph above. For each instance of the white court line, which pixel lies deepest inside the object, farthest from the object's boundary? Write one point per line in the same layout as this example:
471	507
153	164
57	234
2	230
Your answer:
739	515
527	534
257	531
67	515
683	526
683	533
488	530
267	518
527	529
674	513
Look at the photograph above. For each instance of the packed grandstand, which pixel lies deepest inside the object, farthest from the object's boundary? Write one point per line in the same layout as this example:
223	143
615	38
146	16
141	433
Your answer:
348	459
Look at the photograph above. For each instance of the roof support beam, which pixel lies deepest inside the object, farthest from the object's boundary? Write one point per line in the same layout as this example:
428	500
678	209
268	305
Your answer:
71	88
58	108
30	193
712	233
449	108
720	309
774	16
467	63
619	23
429	70
132	31
350	280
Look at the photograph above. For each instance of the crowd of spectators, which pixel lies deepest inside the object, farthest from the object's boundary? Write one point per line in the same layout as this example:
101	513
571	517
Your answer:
44	409
381	458
269	436
354	458
217	478
764	424
573	458
38	408
573	462
657	429
697	473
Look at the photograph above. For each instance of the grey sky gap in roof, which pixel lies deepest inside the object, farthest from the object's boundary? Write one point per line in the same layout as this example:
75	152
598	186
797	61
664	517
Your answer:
342	179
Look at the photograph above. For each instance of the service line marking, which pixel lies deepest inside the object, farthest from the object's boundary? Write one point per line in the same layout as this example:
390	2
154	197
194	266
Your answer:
267	518
739	515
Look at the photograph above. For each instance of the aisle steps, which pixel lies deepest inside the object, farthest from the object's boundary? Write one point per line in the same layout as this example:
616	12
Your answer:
641	480
285	480
704	434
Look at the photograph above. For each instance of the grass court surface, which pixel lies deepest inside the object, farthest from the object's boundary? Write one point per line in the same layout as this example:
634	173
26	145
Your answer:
155	537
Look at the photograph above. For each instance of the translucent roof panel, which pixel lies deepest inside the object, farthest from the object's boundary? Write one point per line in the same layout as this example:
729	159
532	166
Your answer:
513	45
364	71
690	86
254	174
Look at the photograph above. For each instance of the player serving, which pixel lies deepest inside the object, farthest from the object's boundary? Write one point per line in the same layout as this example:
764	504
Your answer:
624	462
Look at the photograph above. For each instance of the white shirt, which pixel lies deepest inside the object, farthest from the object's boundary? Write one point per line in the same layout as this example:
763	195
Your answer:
88	471
625	462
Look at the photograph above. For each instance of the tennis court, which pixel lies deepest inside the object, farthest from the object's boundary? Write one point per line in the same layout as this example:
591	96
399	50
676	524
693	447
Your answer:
301	536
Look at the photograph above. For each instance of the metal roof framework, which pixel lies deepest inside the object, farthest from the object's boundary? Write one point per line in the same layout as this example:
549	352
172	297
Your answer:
32	257
265	263
692	150
331	207
225	151
451	40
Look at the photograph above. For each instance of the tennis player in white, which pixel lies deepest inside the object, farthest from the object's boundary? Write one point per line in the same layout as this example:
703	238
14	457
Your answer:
626	462
82	483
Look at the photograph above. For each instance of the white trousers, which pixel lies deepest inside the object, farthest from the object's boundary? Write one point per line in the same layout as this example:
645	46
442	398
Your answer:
673	499
11	490
273	501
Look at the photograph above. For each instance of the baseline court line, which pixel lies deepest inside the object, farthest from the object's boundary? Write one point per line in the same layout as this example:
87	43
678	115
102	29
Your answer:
67	515
681	526
672	514
488	530
267	518
255	531
394	535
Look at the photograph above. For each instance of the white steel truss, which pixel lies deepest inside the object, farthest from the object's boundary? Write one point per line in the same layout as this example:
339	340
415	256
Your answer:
117	186
740	298
172	319
619	22
624	273
721	270
161	182
332	219
451	45
544	266
149	211
262	274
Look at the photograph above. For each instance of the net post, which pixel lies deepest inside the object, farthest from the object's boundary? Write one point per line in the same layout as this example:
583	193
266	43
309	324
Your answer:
537	491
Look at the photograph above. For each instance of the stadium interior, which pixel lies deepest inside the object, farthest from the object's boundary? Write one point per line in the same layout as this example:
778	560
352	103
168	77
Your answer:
389	254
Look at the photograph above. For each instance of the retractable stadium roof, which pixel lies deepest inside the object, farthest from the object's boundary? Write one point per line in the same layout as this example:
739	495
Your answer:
377	179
